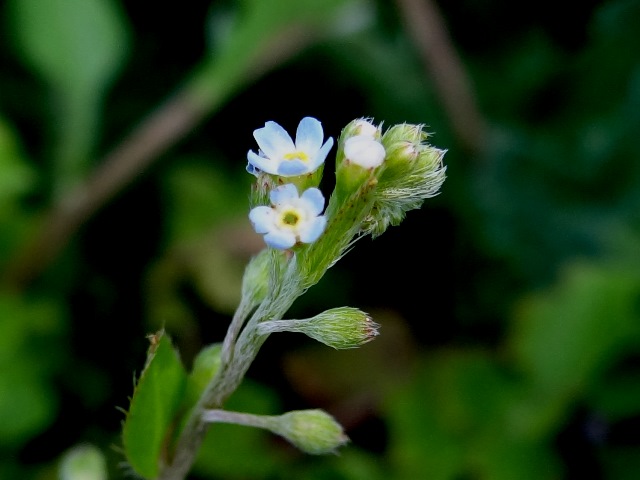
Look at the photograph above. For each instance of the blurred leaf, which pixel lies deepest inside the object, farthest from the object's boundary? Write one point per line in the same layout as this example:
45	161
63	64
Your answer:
322	374
30	352
566	336
155	402
616	396
76	46
258	36
351	464
16	175
621	463
200	196
389	76
27	404
457	418
17	178
209	239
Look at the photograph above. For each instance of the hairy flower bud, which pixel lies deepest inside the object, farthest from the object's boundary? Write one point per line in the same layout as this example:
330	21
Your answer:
360	126
413	172
340	328
312	431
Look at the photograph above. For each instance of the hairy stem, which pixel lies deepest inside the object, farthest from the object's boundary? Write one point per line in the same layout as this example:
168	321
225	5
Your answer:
240	355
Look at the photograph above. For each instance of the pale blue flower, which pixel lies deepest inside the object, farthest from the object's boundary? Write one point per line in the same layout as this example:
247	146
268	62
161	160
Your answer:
290	218
279	155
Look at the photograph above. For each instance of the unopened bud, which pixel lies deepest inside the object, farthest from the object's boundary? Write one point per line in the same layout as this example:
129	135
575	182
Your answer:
364	150
340	328
255	282
404	132
312	431
205	366
360	126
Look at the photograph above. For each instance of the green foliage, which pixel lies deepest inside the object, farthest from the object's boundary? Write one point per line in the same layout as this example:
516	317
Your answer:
519	352
588	321
29	357
155	402
77	47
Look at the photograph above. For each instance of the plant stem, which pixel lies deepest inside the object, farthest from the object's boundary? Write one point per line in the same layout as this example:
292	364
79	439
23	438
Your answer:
232	370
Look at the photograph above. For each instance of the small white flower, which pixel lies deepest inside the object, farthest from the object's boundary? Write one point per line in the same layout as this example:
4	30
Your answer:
291	218
364	150
279	155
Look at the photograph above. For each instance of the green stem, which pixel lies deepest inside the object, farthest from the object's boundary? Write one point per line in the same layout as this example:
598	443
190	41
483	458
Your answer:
233	369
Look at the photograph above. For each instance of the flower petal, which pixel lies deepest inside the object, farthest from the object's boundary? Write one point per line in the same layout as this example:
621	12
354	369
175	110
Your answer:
262	219
313	229
309	135
273	140
280	239
320	157
290	168
283	194
252	169
261	163
314	201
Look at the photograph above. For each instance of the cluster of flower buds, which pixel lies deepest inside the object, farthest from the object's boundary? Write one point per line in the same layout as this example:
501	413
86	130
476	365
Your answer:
379	177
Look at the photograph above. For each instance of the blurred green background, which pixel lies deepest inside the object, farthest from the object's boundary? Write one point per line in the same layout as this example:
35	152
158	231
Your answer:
509	304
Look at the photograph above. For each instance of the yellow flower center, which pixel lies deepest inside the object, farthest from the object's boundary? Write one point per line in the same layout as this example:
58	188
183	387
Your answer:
297	155
290	218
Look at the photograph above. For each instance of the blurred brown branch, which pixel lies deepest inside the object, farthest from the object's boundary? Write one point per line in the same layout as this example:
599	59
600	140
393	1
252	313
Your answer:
429	33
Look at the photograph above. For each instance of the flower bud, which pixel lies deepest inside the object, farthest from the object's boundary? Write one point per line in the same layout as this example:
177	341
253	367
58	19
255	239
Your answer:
404	132
205	366
312	431
340	328
413	172
255	282
361	154
360	126
364	150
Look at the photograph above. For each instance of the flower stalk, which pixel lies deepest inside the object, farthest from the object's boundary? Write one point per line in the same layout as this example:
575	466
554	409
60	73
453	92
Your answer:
379	177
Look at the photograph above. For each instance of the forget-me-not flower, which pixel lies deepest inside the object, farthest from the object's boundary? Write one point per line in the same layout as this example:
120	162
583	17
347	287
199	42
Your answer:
279	155
290	218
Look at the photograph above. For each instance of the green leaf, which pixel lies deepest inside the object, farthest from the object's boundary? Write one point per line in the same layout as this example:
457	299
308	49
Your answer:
76	46
16	174
71	43
27	404
565	337
153	408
